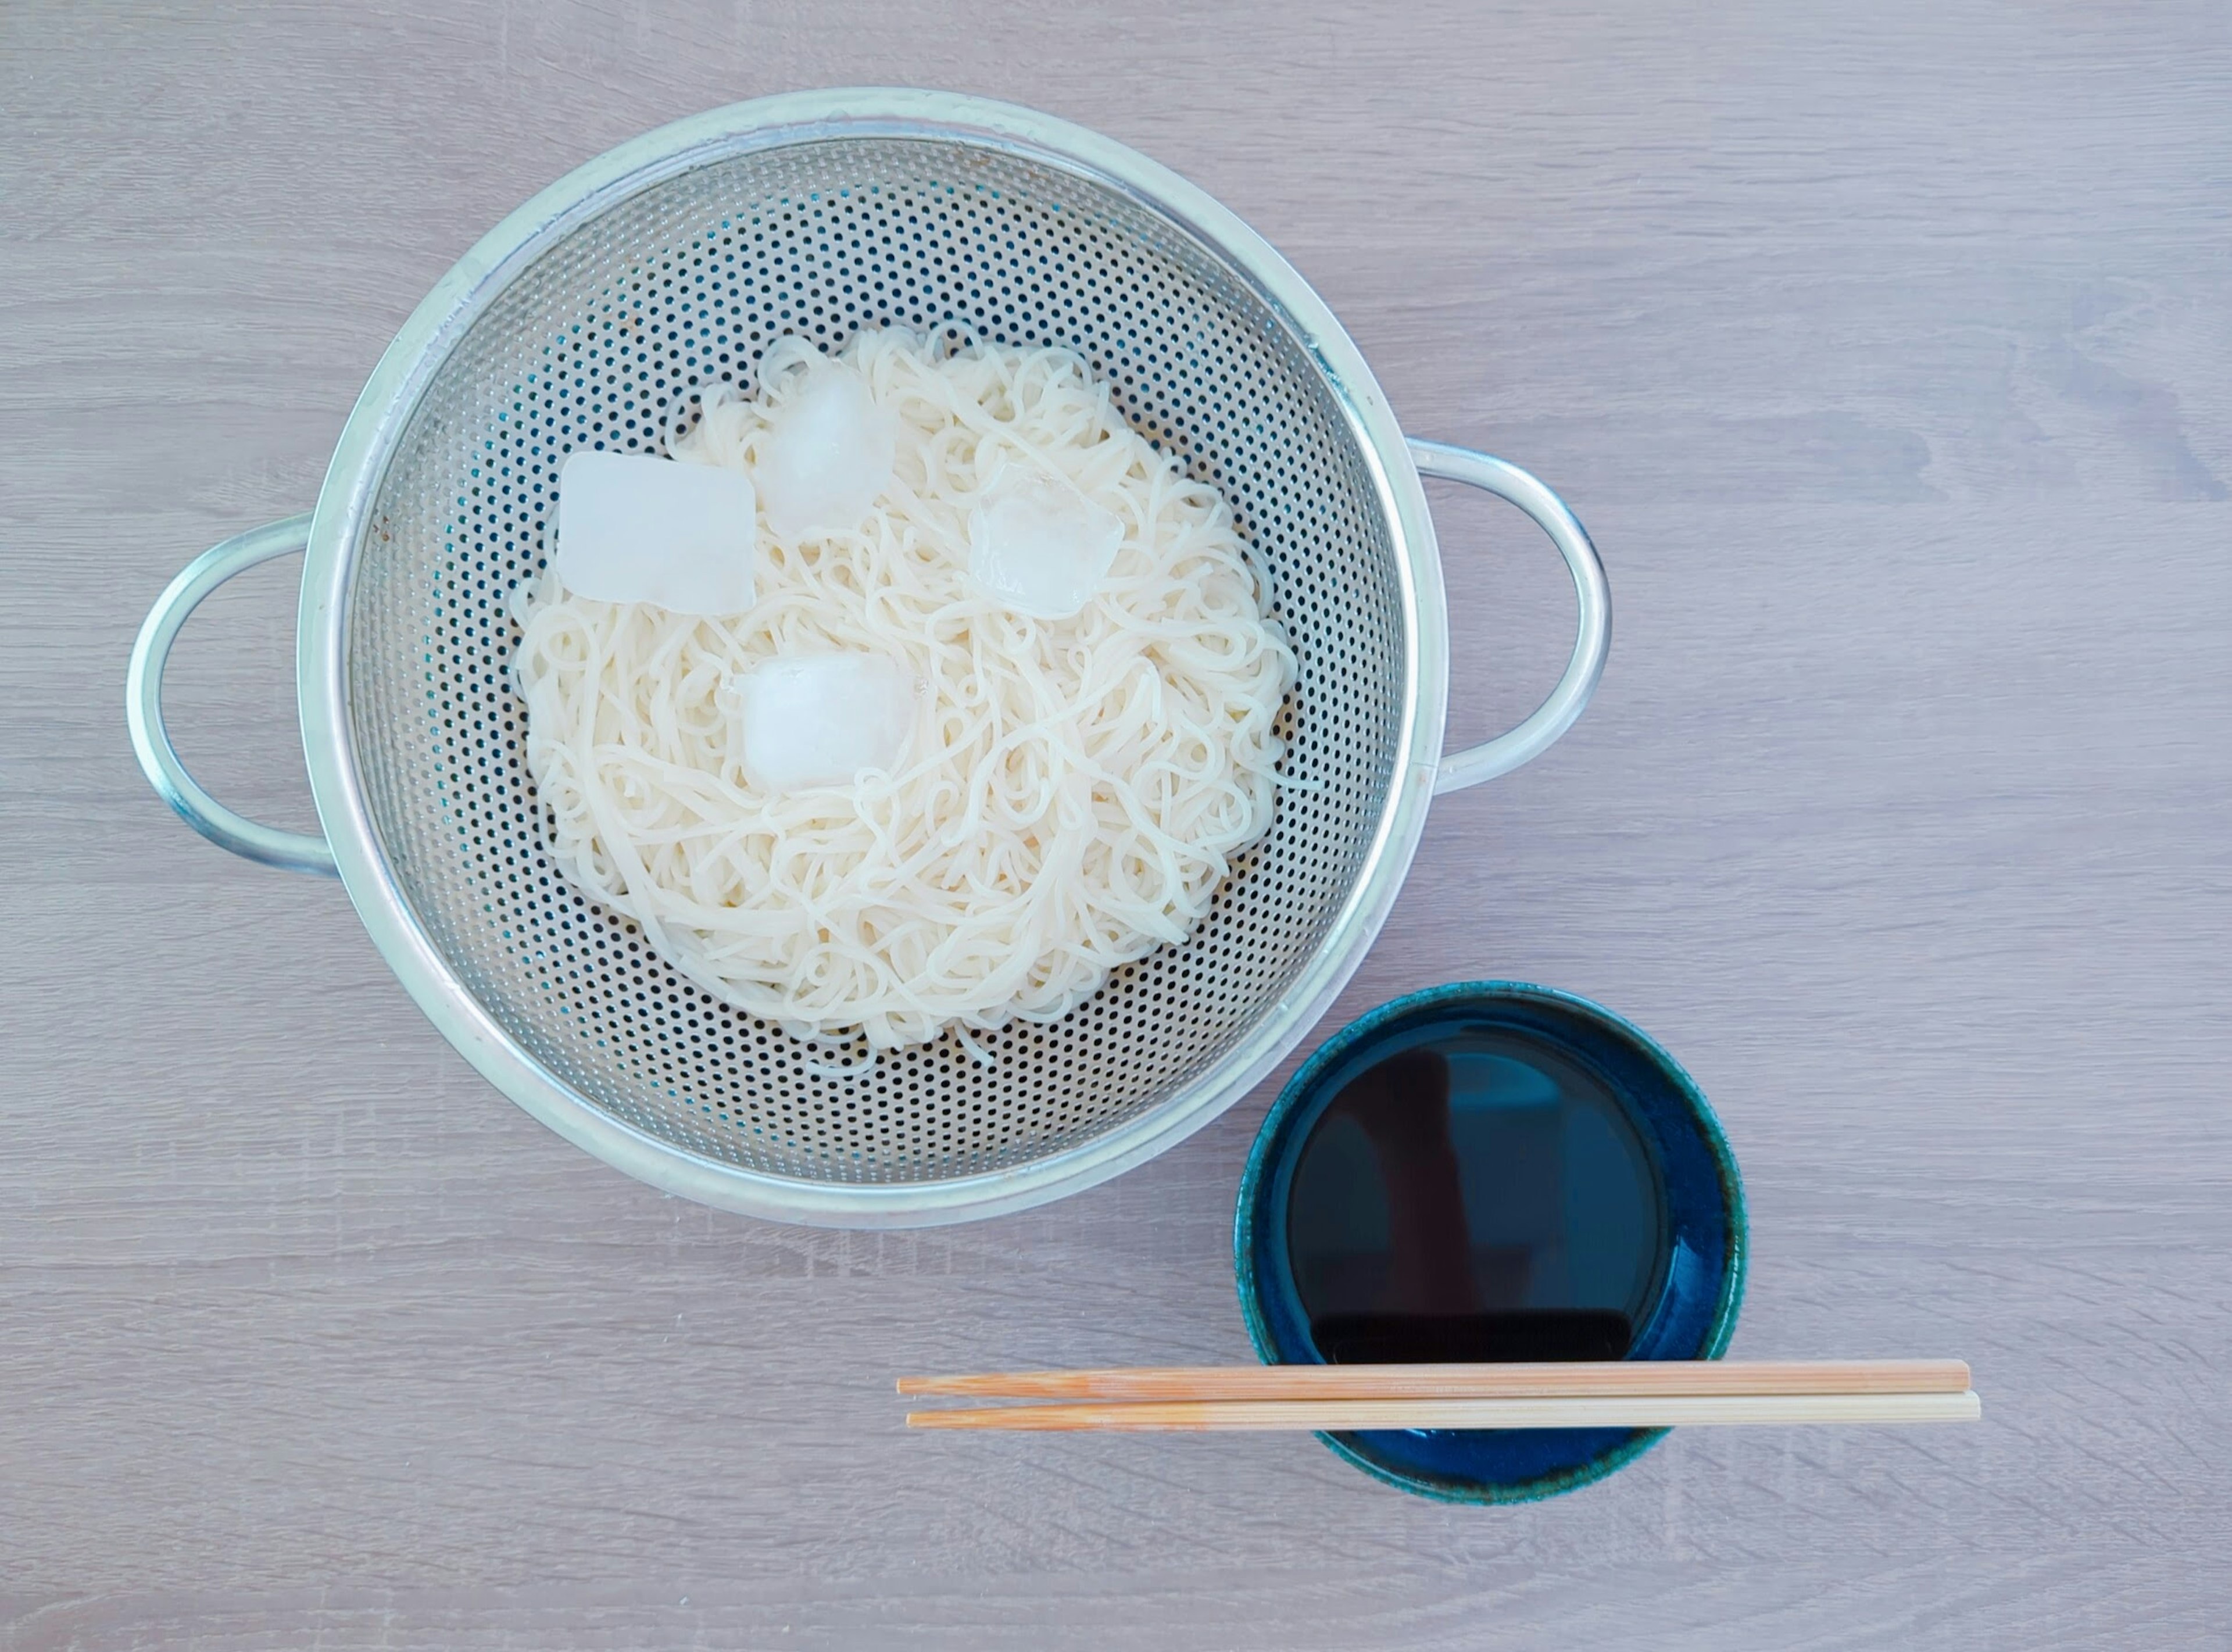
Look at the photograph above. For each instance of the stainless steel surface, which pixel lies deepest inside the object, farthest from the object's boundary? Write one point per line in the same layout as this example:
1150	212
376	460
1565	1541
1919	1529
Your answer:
143	703
590	317
1593	636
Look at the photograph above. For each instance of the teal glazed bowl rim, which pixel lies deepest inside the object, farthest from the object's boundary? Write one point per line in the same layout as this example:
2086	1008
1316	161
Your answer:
1276	1141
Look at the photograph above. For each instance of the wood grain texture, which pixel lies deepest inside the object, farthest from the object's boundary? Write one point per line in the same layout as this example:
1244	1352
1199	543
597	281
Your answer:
1887	351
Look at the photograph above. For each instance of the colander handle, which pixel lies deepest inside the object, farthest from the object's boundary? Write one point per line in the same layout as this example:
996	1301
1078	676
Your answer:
1557	714
143	704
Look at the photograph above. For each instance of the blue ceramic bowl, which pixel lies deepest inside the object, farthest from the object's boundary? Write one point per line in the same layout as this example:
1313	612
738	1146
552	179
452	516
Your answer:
1691	1317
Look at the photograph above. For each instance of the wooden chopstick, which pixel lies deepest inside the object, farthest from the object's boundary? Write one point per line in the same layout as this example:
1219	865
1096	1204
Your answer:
1516	1381
1597	1411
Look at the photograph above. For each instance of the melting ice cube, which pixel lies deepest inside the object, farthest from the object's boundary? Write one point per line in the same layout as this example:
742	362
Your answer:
633	529
819	719
1040	546
828	453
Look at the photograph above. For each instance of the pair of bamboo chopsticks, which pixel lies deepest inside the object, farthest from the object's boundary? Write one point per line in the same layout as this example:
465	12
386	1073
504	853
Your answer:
1613	1393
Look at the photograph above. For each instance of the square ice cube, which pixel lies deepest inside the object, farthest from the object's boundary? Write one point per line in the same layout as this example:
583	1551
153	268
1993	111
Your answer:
633	528
820	719
1039	546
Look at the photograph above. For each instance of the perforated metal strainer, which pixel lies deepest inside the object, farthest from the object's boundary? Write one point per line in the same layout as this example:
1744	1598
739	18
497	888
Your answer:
588	317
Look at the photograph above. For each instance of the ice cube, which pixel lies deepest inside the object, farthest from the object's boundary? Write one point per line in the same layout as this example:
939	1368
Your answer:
829	452
633	529
1039	545
820	719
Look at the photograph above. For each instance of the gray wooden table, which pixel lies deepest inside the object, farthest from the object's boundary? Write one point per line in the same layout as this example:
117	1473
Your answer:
1888	352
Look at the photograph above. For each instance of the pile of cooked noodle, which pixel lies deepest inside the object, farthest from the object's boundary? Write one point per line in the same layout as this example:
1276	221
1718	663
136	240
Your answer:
1075	790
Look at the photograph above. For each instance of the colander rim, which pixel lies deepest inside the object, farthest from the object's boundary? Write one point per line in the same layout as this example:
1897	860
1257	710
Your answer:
370	441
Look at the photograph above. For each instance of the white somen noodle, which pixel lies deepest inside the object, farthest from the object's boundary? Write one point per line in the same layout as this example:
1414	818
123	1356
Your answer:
1075	790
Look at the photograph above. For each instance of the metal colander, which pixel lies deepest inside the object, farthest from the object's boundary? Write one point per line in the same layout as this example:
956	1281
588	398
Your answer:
589	318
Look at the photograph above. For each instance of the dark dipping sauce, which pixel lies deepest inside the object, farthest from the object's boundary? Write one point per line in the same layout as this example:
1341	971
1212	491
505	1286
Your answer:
1476	1195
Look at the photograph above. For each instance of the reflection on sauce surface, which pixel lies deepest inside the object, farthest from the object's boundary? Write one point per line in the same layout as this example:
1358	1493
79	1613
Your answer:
1475	1196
